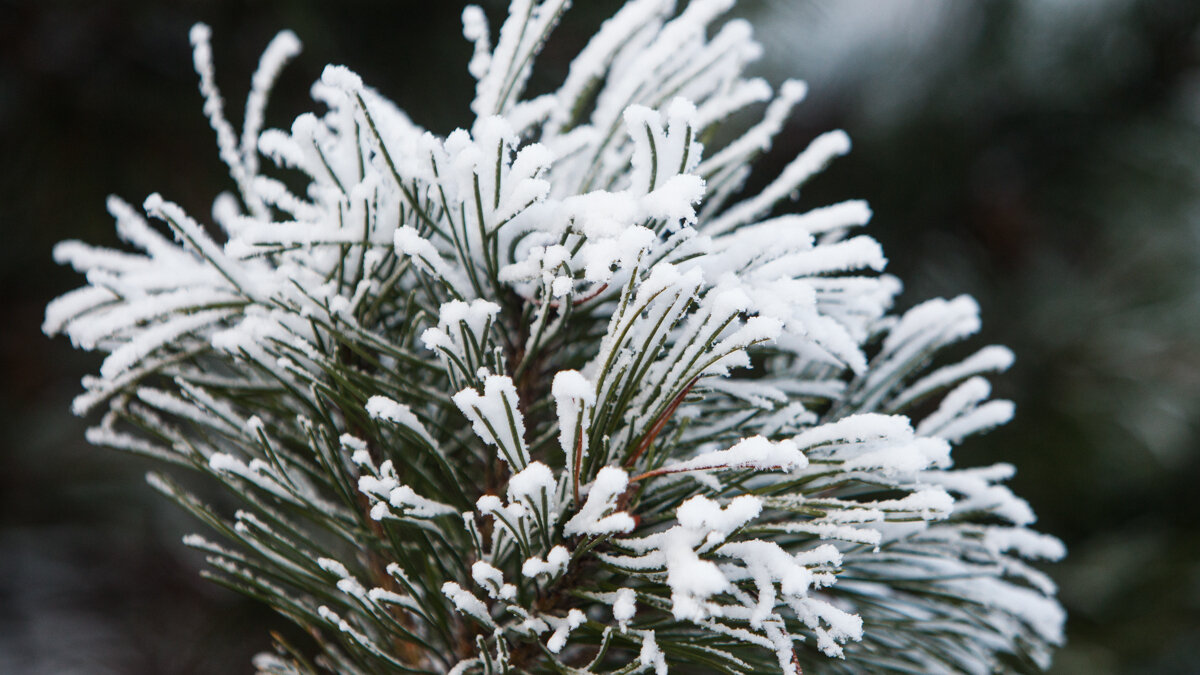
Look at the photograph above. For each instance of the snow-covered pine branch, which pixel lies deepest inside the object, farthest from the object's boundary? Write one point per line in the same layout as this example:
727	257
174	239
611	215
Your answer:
552	393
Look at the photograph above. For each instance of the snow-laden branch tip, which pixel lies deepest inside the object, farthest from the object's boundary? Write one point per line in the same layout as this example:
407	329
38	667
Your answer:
562	385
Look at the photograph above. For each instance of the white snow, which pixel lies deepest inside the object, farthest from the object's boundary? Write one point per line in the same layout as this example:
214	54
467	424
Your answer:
624	607
555	563
279	51
475	29
574	395
595	517
495	418
384	408
341	77
755	452
814	158
403	497
558	639
650	655
532	483
467	603
492	581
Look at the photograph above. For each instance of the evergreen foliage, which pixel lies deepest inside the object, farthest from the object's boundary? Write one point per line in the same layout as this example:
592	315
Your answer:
553	393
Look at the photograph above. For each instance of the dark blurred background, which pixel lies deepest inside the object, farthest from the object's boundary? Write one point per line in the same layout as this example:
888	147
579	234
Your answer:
1042	155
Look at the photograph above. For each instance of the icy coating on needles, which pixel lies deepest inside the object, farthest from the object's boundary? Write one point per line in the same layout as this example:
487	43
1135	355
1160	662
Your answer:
554	393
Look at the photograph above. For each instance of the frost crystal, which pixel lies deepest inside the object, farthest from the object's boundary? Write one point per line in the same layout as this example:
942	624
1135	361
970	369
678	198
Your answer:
555	393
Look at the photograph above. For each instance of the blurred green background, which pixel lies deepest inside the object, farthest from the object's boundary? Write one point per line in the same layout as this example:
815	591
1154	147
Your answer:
1043	156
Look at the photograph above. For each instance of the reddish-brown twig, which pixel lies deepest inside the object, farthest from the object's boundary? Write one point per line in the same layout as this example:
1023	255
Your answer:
578	301
660	423
578	468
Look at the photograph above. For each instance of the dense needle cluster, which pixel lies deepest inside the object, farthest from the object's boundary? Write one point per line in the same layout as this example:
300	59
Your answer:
555	393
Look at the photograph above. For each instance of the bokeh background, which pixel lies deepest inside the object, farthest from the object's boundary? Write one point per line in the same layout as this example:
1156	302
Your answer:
1042	155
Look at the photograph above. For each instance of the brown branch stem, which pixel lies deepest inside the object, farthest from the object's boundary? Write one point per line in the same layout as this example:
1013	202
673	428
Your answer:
661	422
